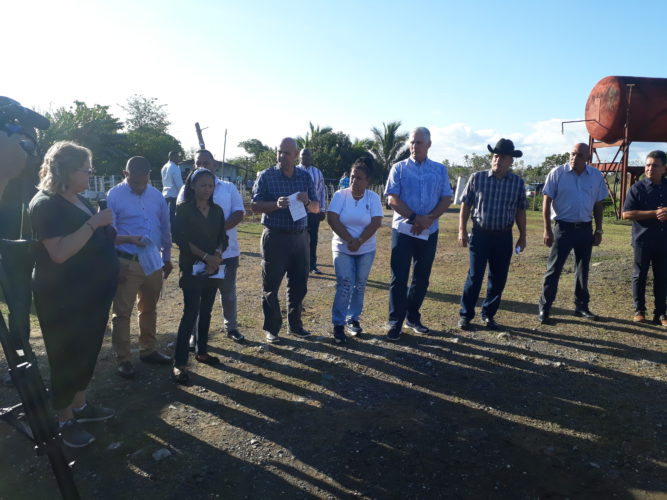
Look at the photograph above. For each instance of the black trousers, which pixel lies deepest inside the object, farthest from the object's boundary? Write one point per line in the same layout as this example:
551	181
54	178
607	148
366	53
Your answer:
284	253
313	230
645	257
568	237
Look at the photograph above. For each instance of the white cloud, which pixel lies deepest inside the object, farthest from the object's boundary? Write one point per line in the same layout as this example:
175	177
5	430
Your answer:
541	139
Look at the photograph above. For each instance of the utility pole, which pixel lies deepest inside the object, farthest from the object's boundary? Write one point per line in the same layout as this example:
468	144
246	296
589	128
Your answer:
200	137
224	148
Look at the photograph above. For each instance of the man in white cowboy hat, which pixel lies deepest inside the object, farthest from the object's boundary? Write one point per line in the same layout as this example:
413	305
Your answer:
496	199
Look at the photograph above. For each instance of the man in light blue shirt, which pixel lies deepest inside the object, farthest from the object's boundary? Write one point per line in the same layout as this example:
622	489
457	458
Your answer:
572	192
141	219
172	181
418	191
321	192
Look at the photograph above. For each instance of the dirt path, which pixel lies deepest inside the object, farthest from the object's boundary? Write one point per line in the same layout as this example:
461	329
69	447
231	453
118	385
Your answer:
573	410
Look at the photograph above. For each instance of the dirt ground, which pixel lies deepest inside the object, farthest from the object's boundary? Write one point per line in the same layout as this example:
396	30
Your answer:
572	410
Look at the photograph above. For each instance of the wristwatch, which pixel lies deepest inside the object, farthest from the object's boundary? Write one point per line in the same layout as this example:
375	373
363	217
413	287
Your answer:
599	231
412	217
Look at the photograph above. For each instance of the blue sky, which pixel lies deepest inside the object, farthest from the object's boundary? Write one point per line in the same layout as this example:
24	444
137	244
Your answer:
470	71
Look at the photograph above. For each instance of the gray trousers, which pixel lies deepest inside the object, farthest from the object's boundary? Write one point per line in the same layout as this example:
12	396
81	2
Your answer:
227	296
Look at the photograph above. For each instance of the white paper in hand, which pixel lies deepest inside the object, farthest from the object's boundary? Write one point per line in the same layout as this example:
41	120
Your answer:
296	208
199	269
149	257
405	228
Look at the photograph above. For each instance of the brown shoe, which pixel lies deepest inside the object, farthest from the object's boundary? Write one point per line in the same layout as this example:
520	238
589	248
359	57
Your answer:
156	358
126	370
639	317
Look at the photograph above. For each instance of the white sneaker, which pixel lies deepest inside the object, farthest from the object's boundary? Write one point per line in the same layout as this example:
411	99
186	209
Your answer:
271	338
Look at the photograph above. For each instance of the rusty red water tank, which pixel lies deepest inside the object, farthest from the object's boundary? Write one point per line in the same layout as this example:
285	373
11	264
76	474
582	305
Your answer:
607	105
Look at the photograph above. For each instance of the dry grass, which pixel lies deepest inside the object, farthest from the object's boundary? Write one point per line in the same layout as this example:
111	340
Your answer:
574	410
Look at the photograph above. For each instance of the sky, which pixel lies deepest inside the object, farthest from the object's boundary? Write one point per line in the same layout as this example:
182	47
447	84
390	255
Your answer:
472	72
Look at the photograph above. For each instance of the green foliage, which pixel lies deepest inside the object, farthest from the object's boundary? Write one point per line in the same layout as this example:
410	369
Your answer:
100	131
254	147
539	173
93	127
145	113
388	147
152	145
313	134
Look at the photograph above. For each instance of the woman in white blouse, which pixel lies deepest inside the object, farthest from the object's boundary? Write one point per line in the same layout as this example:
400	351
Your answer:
354	214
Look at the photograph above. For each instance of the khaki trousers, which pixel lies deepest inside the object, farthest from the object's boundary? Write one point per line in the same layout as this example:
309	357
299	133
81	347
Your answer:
133	286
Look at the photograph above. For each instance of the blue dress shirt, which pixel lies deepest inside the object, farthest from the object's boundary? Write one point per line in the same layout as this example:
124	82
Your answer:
420	186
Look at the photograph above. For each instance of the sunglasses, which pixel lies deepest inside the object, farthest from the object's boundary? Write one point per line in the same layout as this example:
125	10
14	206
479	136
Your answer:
27	144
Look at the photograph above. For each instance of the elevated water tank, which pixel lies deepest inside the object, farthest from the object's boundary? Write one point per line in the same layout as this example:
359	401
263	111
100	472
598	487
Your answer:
607	105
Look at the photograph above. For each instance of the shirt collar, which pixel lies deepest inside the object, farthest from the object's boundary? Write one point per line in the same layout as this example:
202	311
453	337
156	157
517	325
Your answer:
425	162
131	191
568	168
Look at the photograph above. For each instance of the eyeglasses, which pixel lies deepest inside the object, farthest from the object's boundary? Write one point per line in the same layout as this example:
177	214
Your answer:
27	144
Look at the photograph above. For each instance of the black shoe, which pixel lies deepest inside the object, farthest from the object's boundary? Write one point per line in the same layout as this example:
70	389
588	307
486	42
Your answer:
235	335
464	324
584	312
394	333
543	317
315	270
339	334
490	323
126	370
353	328
156	358
417	327
301	333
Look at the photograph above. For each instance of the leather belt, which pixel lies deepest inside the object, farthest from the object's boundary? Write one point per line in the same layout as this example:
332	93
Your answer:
287	231
575	225
128	256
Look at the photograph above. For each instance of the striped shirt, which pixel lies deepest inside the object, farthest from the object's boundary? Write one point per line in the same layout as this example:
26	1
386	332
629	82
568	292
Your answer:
494	202
318	182
271	184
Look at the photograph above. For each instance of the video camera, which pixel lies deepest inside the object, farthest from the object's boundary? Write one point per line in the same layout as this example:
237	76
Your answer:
31	417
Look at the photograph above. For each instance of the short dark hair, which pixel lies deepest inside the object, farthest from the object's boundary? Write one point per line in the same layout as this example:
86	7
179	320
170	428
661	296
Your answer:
138	165
173	154
658	155
188	192
365	164
204	152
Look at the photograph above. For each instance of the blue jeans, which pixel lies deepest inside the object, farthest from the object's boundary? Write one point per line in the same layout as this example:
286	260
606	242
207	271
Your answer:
495	250
351	275
407	252
196	302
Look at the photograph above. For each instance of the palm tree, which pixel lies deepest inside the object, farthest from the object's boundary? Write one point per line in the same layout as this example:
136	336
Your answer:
388	145
311	136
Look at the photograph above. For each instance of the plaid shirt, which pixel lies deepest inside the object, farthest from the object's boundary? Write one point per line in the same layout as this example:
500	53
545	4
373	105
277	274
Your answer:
271	184
494	202
318	182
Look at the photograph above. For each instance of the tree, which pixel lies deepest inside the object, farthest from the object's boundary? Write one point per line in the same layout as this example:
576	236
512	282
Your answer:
152	145
539	173
313	134
145	112
254	147
93	127
388	146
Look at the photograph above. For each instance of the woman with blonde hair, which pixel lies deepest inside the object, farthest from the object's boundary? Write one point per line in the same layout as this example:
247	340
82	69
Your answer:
74	281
